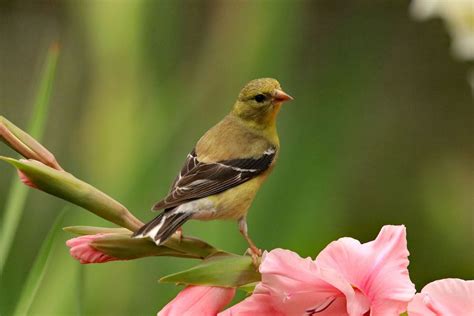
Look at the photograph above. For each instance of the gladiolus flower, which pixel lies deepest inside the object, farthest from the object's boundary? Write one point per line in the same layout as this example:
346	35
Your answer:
82	250
376	270
447	297
198	300
347	278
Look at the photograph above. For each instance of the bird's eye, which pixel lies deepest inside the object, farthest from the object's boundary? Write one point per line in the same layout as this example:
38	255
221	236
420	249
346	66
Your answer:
260	98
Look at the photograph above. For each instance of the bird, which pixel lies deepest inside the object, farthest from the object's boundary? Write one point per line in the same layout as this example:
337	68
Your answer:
223	172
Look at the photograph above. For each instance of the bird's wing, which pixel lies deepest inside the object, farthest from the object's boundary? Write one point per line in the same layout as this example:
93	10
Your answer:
198	179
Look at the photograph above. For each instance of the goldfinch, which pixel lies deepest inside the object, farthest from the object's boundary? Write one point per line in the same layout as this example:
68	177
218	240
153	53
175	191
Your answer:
224	171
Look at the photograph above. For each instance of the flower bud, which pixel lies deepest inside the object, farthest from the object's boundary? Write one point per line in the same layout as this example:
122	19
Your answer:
118	243
67	187
25	145
82	250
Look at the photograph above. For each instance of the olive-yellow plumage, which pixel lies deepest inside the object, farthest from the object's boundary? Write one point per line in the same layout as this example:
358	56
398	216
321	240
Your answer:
229	163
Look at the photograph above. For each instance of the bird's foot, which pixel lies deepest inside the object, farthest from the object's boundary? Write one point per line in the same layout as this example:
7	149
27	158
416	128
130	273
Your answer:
256	255
179	234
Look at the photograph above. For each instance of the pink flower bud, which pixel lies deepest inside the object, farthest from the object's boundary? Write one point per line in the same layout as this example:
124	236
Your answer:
82	250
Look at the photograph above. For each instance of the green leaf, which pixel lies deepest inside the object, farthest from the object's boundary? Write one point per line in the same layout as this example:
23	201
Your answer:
220	270
37	272
16	198
92	230
248	288
41	105
188	244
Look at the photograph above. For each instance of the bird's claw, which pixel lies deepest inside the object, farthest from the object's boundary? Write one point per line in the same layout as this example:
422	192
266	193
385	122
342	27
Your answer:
256	255
179	234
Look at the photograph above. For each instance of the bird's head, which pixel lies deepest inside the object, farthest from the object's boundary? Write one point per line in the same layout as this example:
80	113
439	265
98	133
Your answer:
259	102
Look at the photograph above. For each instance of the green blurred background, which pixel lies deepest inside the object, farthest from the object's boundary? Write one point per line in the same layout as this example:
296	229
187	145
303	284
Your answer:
380	132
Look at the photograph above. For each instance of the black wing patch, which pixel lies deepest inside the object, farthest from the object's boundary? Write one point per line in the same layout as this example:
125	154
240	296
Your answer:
198	179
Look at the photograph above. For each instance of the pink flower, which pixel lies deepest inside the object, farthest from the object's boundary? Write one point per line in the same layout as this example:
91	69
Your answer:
198	300
292	285
82	250
377	269
447	297
347	278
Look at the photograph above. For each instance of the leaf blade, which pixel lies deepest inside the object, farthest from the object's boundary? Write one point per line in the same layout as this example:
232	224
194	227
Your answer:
38	270
221	270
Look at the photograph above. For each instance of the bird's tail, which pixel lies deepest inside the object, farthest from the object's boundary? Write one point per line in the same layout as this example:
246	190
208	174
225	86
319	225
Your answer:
163	226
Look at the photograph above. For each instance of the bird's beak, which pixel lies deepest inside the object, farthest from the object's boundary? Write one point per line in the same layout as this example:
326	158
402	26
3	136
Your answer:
280	96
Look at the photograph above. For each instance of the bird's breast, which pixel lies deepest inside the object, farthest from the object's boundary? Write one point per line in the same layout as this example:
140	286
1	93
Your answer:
229	139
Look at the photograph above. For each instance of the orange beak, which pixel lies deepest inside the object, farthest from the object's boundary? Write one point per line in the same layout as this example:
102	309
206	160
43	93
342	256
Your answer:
280	96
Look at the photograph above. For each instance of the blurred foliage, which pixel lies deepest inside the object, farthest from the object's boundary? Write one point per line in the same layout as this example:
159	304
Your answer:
380	131
16	197
36	273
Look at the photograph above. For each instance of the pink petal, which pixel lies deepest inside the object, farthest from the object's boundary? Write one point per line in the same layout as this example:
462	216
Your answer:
294	283
447	297
259	303
24	178
378	269
353	302
198	300
81	249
